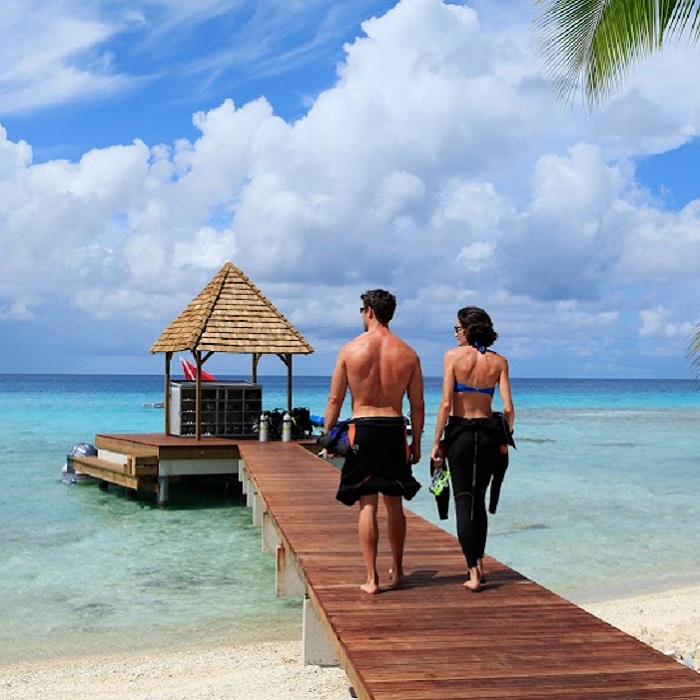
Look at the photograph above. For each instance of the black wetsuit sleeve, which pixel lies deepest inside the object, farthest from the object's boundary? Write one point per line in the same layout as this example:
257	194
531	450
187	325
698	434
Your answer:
499	473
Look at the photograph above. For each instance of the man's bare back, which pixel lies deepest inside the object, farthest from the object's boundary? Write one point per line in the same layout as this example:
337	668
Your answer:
379	368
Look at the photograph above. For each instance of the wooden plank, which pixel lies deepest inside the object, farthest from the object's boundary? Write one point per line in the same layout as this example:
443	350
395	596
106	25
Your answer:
106	471
83	463
146	472
161	446
431	638
125	445
118	473
146	466
198	452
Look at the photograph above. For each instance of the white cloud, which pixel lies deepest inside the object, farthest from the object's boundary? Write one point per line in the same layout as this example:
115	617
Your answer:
18	310
655	322
207	249
662	247
563	245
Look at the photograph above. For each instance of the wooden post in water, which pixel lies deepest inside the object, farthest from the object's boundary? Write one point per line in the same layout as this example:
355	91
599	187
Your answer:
163	491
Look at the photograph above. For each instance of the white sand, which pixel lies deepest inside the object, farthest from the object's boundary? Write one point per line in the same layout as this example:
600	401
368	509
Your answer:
253	672
668	621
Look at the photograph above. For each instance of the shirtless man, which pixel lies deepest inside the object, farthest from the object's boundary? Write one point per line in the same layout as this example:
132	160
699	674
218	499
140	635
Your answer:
379	368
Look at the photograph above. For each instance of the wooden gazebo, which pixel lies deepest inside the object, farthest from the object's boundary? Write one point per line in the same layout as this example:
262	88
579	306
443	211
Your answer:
229	315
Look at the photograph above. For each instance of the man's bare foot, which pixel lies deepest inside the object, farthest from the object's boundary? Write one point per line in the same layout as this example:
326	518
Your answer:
396	577
370	587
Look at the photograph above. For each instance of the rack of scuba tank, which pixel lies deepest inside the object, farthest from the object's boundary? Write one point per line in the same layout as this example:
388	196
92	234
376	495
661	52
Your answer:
286	426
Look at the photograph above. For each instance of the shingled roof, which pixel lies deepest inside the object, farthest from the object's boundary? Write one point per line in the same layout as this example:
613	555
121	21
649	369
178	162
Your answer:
232	315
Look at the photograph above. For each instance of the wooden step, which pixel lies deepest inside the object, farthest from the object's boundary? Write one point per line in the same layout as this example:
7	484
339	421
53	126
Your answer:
117	473
82	463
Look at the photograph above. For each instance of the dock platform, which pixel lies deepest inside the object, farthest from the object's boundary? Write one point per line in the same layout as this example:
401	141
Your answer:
431	639
147	461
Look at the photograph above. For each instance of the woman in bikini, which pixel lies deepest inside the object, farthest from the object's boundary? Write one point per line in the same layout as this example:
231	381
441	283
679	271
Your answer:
475	441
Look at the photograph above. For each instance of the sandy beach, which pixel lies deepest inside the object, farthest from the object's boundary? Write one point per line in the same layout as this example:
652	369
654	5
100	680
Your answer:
668	621
251	672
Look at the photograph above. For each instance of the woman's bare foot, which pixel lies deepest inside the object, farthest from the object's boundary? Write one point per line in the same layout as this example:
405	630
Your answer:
480	569
396	577
371	587
473	582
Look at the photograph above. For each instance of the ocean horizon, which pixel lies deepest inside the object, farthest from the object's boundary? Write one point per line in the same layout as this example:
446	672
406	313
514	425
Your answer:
600	501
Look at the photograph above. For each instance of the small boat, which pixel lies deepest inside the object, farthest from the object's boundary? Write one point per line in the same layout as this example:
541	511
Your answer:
69	475
155	404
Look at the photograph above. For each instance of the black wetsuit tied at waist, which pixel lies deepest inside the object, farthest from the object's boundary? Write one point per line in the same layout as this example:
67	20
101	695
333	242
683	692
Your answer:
378	460
495	425
474	456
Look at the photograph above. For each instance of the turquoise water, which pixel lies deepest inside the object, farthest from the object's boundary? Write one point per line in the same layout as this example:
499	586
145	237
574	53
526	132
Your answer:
601	499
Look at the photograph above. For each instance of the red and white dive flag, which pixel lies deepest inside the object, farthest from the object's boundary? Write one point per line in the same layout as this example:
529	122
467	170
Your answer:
190	372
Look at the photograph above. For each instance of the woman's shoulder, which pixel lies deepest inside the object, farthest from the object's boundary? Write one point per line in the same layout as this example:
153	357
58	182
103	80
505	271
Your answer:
453	353
497	358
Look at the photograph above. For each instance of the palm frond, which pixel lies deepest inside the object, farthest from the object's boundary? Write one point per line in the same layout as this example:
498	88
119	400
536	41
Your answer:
591	44
684	12
693	354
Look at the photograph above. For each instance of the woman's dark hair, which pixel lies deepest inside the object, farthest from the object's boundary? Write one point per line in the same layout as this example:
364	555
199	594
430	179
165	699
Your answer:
383	304
477	325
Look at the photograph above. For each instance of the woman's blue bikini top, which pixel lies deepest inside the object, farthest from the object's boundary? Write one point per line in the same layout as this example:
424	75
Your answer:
465	388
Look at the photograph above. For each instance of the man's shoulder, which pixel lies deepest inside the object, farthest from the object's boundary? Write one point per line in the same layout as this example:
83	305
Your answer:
396	341
375	344
405	351
357	342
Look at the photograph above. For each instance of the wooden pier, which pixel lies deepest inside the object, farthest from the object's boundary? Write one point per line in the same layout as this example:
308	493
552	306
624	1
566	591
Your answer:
431	639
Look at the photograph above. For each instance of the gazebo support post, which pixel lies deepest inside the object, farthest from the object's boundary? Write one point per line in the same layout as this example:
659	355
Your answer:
197	354
166	405
287	359
254	372
198	396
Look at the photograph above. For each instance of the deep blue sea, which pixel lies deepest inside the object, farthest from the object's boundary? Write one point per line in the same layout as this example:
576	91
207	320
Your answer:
601	499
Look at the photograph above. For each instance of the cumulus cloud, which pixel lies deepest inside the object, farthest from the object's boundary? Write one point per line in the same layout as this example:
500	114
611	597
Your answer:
563	245
440	167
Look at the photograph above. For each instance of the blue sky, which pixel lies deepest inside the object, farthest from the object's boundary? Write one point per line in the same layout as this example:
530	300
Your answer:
326	147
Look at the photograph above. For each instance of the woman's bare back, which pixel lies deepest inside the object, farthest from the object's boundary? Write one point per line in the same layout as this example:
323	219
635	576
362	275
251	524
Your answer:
479	371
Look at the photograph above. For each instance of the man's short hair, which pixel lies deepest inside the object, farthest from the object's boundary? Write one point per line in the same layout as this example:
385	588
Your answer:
382	303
